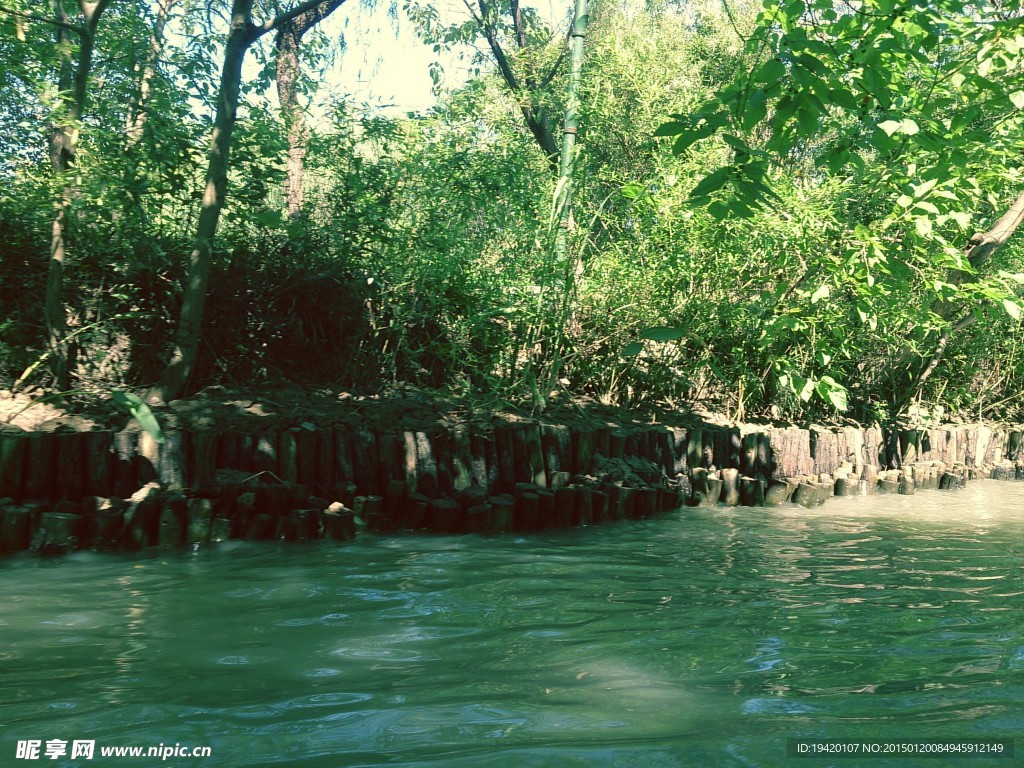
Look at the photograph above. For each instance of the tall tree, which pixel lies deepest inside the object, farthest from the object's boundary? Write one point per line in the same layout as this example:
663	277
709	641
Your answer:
289	45
242	33
75	66
527	52
917	106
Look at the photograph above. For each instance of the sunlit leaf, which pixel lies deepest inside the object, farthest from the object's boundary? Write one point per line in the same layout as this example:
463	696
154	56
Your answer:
137	409
662	334
889	126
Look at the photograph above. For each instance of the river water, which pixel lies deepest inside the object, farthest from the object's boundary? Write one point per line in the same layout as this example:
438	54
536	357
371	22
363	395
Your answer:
703	637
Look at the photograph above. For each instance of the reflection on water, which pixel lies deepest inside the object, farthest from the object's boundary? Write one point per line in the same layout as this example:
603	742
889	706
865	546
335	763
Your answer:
709	638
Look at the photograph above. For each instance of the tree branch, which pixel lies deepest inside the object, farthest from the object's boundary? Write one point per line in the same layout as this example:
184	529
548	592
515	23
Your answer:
258	30
495	46
981	249
78	29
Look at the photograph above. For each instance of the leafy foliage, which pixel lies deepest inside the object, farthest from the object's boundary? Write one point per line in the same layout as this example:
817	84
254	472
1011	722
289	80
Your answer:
773	214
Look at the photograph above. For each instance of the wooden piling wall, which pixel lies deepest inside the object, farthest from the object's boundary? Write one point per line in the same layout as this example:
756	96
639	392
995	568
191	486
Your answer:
124	490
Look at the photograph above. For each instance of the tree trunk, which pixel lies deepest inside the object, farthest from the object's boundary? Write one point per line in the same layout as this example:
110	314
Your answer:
138	110
528	92
289	41
567	158
73	80
981	248
186	342
243	33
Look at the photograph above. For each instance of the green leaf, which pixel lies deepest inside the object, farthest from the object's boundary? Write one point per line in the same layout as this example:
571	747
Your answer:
713	182
632	350
822	293
671	129
663	333
1012	308
770	73
757	109
1017	97
804	388
838	398
889	126
133	406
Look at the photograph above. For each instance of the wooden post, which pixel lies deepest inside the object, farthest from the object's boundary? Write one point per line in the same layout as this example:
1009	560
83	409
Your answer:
520	456
15	529
535	455
416	513
58	533
752	491
778	492
602	441
13	449
325	475
645	502
695	449
291	444
545	508
365	464
730	487
373	513
616	444
565	507
501	514
344	468
613	492
478	518
677	438
443	456
200	520
305	456
483	473
462	458
503	444
142	518
69	482
173	515
41	467
583	443
339	523
444	515
394	499
583	514
527	512
265	453
202	460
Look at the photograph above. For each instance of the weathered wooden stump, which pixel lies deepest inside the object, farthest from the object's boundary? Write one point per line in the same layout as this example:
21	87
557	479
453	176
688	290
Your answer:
730	487
752	491
499	519
444	515
15	529
57	534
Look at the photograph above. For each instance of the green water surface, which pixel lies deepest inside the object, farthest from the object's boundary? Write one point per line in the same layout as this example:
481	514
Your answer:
703	638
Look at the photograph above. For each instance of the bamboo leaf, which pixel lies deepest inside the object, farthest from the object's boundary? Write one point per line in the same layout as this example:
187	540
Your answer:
662	333
632	350
137	409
